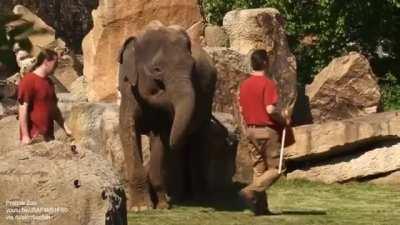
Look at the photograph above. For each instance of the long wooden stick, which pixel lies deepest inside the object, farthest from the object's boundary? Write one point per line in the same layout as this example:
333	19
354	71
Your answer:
282	151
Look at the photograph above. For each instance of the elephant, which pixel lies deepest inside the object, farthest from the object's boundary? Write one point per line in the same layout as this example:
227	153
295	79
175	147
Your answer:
167	86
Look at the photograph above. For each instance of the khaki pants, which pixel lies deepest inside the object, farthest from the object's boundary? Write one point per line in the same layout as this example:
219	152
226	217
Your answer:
264	155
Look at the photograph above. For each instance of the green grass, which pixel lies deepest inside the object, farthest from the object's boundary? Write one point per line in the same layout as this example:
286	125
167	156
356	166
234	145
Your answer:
296	202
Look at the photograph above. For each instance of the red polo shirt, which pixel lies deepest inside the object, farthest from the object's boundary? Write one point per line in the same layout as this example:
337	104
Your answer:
256	92
39	93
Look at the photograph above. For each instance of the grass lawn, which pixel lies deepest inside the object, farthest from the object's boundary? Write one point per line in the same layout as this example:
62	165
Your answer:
295	202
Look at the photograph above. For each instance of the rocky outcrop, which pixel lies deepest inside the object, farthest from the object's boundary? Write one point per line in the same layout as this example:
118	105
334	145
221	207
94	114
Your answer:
346	88
56	185
71	19
336	137
114	22
353	167
264	28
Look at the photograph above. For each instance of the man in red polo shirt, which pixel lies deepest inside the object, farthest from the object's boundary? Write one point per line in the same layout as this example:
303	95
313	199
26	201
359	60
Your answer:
38	102
262	123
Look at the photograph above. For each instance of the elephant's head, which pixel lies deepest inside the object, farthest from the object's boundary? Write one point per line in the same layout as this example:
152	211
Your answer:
158	64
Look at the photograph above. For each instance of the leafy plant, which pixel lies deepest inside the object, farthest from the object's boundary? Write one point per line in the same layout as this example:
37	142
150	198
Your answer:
390	89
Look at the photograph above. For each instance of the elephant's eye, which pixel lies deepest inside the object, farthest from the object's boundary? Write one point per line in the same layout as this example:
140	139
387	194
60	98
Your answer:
157	70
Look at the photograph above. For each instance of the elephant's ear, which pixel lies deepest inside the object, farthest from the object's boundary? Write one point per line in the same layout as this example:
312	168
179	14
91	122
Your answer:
127	63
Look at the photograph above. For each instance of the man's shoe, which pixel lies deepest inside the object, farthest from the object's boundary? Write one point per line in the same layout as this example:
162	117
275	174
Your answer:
262	204
249	198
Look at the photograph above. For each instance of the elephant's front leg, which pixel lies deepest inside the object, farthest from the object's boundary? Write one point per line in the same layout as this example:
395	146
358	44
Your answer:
157	171
138	196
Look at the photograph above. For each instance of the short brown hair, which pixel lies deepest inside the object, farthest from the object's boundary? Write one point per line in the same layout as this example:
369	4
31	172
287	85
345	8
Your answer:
258	59
45	54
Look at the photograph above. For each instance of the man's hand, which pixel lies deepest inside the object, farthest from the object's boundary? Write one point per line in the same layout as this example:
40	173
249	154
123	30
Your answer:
26	140
271	109
288	119
67	130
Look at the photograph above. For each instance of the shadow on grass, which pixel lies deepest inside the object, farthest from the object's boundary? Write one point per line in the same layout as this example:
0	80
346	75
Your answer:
229	201
301	213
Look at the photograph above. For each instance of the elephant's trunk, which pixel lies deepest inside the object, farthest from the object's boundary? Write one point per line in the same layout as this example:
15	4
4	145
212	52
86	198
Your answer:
183	100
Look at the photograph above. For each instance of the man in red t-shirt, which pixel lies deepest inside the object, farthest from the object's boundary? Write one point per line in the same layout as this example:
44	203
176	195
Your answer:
38	102
262	123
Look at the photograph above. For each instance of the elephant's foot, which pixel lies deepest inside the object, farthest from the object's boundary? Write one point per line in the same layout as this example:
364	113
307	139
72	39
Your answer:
163	201
138	200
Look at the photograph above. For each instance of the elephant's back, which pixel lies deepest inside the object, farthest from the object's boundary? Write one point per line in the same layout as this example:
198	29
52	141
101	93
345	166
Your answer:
205	72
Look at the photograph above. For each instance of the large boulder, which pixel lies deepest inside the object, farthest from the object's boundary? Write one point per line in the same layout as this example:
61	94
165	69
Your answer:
264	28
40	183
359	166
346	88
337	137
114	22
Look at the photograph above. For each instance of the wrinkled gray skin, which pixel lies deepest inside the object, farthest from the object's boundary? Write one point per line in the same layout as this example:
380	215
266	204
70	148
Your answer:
166	86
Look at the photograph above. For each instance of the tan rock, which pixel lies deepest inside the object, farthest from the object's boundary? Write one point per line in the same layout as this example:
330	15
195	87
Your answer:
114	21
264	28
321	140
346	88
215	36
353	167
44	173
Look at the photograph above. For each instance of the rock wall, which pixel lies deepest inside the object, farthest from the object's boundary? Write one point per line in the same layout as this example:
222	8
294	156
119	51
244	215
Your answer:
114	22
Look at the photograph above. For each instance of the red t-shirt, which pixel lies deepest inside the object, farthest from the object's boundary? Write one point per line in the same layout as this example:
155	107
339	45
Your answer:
39	93
256	92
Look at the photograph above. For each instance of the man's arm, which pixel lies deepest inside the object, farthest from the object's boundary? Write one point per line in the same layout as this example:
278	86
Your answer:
23	123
